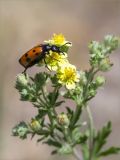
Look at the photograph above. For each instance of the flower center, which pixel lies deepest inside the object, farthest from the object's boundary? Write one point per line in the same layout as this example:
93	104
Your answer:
69	74
58	39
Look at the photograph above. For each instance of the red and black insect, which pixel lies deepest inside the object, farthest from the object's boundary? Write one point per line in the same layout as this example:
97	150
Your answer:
36	54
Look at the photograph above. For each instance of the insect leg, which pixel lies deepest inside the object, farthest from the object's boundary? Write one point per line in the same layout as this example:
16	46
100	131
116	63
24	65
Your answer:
24	72
46	64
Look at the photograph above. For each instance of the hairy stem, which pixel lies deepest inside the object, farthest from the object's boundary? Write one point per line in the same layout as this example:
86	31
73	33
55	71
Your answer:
79	107
91	131
44	95
77	155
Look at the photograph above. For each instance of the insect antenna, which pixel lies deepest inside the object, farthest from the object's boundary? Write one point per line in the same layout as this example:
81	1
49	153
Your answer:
66	43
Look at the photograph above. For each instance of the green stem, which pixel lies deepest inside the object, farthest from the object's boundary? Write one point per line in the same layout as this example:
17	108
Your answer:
91	75
89	79
44	95
48	106
46	103
50	117
79	107
55	90
77	155
91	131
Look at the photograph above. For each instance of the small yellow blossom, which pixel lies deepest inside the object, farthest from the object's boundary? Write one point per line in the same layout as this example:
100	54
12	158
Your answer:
59	40
55	60
68	75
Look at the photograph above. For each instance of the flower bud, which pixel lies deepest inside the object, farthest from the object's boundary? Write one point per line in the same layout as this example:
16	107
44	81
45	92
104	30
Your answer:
112	41
20	130
24	92
22	79
35	125
105	64
92	92
100	80
63	119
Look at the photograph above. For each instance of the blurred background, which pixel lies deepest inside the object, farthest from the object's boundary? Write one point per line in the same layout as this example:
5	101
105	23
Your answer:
25	23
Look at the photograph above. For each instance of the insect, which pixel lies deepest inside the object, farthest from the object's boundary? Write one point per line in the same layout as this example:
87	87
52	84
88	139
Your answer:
36	54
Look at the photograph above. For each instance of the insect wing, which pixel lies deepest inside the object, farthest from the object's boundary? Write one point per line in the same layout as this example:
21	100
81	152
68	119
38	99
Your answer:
30	57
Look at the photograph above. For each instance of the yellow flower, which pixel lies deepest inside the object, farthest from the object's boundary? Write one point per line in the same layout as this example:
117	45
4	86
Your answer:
68	75
55	60
58	40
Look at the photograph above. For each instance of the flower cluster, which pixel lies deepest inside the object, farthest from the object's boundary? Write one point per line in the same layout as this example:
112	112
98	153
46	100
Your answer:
65	72
99	52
